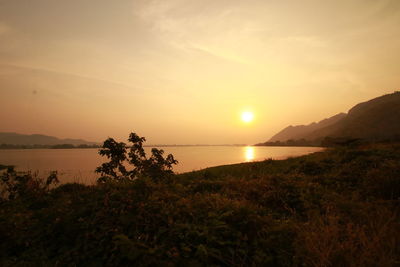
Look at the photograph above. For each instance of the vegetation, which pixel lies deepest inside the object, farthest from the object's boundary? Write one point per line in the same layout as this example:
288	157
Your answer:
3	167
291	142
16	185
325	142
334	208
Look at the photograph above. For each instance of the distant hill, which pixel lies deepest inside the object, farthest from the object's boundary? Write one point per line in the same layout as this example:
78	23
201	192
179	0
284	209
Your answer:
301	131
374	120
38	139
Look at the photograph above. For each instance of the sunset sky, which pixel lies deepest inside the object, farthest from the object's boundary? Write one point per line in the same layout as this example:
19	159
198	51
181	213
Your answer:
184	71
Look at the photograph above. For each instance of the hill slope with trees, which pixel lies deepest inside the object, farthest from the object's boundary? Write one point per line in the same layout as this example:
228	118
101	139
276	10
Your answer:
375	120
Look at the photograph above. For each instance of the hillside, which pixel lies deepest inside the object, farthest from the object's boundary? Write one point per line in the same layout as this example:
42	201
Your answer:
38	139
300	131
374	120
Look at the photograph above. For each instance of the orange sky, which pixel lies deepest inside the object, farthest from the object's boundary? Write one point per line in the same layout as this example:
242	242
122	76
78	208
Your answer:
182	71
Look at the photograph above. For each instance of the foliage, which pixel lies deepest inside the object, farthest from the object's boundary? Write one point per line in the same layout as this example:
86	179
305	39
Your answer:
4	167
156	167
339	207
15	184
291	142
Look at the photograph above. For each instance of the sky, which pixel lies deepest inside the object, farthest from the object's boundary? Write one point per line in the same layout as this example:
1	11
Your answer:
183	71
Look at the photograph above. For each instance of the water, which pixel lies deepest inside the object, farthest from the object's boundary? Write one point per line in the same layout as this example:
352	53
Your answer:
78	165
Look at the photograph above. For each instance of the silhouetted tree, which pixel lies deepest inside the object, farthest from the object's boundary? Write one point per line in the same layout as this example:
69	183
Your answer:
155	167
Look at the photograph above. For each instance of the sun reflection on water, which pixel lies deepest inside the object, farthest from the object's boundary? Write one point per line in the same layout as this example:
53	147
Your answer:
249	153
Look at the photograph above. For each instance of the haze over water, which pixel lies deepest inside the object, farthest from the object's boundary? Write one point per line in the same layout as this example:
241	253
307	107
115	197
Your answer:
78	165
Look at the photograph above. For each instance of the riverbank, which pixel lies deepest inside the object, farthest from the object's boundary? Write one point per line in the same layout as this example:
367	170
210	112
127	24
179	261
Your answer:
339	207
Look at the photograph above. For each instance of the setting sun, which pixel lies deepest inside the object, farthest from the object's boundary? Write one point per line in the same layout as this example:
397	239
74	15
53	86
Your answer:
247	116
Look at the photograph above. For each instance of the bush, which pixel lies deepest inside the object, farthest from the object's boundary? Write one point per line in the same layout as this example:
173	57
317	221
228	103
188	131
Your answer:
15	184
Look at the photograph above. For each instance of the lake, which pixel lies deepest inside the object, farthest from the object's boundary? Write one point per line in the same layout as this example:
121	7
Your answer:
78	165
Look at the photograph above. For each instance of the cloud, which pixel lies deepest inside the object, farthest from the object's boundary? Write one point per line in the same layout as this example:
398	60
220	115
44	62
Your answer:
276	39
213	28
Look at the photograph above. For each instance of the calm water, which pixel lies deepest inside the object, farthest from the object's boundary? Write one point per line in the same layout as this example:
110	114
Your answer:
78	165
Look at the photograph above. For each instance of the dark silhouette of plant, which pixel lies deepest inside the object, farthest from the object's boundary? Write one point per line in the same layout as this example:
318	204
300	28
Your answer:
116	153
119	155
15	184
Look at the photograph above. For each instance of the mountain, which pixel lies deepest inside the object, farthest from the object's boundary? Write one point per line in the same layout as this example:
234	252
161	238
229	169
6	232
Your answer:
38	139
301	131
375	120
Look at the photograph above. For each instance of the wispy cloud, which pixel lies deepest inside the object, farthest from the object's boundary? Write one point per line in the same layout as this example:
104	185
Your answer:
190	25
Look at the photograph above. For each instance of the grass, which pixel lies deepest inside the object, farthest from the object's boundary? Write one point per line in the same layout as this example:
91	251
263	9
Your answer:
339	207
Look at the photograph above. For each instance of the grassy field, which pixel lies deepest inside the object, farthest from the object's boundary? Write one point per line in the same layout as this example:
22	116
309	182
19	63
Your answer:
339	207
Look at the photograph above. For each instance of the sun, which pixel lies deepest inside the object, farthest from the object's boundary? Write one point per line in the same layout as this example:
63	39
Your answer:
247	116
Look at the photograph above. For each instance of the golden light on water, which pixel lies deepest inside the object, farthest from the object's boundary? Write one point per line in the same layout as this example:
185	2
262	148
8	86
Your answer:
247	116
249	153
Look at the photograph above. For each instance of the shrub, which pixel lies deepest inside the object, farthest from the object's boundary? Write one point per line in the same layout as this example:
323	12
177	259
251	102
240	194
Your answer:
15	184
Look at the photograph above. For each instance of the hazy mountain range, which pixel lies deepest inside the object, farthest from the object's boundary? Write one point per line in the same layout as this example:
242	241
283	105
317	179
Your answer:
373	120
39	139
